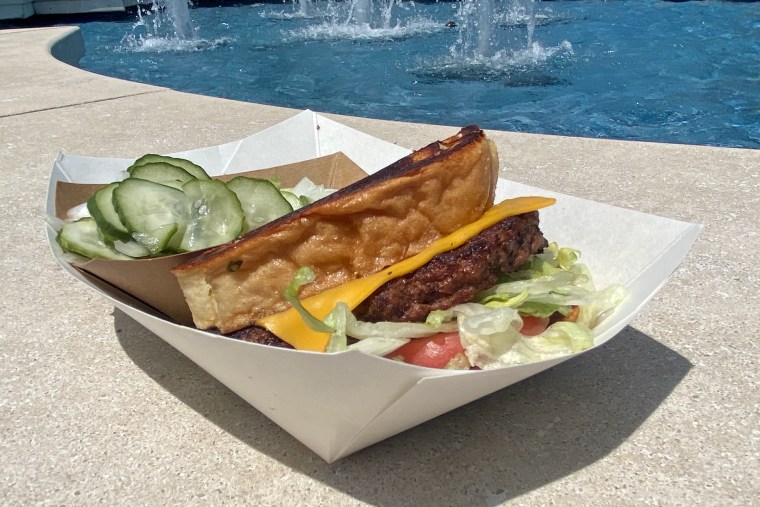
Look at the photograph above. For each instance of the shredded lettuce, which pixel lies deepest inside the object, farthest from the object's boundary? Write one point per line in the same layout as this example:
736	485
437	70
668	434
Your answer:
379	338
486	333
491	337
338	320
304	276
489	326
552	281
602	305
310	191
559	339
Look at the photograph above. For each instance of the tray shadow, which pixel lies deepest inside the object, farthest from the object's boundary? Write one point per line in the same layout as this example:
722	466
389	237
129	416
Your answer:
493	449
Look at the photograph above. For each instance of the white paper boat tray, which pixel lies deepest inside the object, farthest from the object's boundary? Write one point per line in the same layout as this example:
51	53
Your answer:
337	404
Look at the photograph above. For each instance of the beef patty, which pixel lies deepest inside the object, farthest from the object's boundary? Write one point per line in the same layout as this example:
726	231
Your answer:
455	277
449	278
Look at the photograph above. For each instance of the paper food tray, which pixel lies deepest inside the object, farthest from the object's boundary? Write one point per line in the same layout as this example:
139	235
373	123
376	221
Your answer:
337	404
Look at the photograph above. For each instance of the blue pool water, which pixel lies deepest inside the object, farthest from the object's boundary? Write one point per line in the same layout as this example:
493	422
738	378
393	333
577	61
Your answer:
680	72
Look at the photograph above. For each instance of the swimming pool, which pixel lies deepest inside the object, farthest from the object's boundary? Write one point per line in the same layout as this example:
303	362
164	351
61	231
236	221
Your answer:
679	72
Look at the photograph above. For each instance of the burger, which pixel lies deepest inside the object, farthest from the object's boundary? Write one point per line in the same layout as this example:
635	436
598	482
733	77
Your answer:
415	263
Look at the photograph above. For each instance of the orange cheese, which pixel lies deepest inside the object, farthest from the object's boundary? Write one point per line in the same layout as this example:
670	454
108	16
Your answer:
290	327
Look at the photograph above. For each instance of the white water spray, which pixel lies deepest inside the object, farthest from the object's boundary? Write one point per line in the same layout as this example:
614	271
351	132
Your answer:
372	14
487	49
361	12
530	22
166	26
367	20
483	23
304	7
179	15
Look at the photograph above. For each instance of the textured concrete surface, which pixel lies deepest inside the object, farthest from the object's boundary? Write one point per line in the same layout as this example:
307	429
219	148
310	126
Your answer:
94	409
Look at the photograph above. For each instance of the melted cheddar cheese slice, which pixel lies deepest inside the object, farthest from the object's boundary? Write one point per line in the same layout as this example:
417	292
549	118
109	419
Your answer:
290	327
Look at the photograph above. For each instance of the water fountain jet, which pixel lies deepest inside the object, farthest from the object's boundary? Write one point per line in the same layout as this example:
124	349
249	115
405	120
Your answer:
166	26
484	22
179	15
360	12
486	48
304	8
367	20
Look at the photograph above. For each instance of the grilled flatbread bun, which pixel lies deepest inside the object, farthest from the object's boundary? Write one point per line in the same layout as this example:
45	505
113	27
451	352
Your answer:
357	231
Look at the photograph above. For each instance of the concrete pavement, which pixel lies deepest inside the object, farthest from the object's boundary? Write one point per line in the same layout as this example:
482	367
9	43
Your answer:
96	409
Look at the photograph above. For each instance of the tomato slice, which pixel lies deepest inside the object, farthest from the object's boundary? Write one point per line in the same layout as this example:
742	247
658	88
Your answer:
439	350
435	351
533	326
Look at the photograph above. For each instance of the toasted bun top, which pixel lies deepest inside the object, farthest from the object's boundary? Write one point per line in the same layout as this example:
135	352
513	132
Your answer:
356	231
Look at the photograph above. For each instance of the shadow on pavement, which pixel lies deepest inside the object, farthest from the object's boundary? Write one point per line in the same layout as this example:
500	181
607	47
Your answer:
493	449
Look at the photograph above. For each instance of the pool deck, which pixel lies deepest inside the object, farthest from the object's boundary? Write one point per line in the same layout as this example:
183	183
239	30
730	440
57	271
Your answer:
95	409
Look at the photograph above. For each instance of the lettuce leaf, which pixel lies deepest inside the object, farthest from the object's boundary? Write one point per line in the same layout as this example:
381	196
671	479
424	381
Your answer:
489	326
379	338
